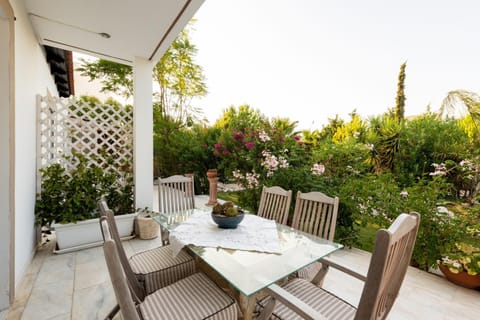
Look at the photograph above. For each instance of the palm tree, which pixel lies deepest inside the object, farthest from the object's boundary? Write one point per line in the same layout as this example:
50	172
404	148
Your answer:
466	100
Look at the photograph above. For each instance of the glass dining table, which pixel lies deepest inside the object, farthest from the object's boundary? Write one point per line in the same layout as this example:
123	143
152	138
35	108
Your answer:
249	272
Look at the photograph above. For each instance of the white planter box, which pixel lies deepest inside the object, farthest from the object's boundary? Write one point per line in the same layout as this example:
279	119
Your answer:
86	234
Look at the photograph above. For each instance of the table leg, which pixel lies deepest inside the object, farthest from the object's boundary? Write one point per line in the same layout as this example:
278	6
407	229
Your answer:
247	306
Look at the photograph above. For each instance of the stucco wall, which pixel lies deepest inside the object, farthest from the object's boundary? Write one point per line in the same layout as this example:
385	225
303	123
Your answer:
32	77
6	27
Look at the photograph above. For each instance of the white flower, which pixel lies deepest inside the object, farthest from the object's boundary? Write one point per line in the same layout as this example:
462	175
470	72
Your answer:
237	174
252	179
317	169
283	162
404	194
263	136
440	169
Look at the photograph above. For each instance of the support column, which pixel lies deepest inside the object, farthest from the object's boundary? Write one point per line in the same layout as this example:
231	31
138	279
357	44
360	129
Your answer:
143	133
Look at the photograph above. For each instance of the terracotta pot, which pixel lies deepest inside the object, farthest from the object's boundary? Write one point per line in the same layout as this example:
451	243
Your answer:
462	279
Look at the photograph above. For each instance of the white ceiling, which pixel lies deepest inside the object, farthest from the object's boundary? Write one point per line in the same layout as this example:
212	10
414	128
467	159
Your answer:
137	28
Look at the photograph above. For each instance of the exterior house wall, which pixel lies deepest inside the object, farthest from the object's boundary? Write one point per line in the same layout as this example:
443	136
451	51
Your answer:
32	77
6	159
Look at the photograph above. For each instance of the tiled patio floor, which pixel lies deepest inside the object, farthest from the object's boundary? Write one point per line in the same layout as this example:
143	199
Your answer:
77	286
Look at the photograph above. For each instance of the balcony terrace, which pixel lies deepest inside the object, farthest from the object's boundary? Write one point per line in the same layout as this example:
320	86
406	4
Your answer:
77	286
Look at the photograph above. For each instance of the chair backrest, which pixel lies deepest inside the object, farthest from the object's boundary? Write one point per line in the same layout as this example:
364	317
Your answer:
275	204
107	215
176	193
388	266
316	213
117	275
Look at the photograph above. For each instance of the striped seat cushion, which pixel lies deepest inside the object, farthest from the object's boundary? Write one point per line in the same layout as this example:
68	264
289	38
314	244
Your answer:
310	271
157	268
329	305
195	297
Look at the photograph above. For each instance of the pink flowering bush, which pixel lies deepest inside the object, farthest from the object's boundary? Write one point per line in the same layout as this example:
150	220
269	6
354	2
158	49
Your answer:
264	156
246	154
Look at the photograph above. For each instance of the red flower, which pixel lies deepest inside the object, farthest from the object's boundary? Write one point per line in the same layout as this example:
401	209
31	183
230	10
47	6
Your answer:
249	145
239	135
226	152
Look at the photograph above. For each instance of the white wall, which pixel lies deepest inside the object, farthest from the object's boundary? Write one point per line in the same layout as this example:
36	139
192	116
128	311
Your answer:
32	77
4	160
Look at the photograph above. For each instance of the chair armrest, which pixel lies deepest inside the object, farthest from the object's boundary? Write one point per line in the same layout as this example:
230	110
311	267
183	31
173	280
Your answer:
297	305
350	272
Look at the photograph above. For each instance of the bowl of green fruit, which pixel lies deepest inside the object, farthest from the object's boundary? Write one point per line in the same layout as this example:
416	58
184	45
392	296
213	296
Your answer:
227	215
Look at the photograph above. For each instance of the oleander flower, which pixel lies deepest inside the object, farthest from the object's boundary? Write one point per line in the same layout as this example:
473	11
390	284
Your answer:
249	145
263	136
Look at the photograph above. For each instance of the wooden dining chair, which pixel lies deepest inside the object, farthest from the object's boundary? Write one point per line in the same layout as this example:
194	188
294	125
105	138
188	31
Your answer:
315	213
194	297
154	268
176	193
275	204
300	299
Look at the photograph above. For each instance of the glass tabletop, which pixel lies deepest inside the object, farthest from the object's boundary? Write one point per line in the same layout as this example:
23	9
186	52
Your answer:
250	271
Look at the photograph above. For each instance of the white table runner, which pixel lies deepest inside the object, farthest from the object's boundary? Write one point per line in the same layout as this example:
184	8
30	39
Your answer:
253	234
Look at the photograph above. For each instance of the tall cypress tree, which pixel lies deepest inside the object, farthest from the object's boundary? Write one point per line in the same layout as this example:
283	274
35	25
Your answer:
400	99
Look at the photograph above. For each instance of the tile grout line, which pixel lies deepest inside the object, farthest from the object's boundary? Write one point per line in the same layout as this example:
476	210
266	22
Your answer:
73	284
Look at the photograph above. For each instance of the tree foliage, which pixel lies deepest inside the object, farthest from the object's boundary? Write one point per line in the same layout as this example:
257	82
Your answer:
113	76
179	78
457	100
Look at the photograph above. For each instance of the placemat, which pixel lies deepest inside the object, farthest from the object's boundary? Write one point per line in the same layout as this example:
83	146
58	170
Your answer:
252	234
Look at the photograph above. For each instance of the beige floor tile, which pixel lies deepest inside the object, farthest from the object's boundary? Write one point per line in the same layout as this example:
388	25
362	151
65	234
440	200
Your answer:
49	301
128	248
94	302
56	268
91	274
142	245
89	255
65	316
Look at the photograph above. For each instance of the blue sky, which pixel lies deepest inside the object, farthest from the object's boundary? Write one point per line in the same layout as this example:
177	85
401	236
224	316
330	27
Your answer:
309	60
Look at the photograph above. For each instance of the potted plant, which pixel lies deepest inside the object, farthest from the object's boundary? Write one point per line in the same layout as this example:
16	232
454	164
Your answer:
462	267
68	198
147	228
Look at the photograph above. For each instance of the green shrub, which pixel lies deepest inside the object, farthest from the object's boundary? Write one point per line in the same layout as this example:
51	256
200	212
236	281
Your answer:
71	196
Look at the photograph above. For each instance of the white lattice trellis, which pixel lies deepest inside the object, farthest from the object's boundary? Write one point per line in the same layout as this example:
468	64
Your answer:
97	131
